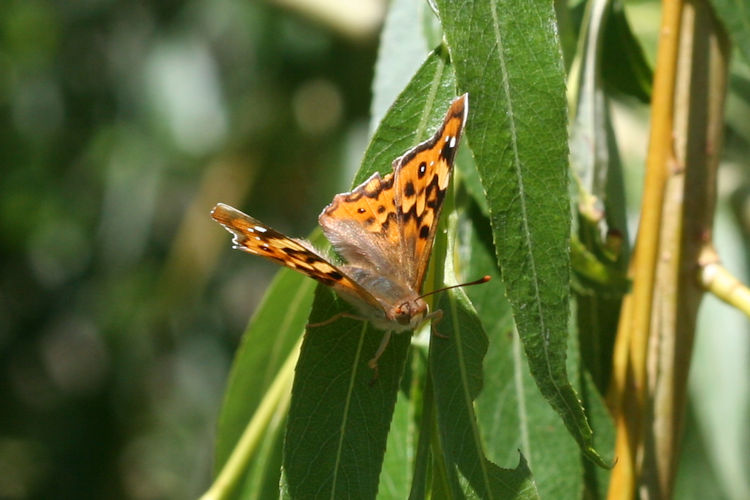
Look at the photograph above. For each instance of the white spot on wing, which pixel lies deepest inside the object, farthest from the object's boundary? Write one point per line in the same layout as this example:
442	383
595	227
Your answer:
235	234
453	142
260	229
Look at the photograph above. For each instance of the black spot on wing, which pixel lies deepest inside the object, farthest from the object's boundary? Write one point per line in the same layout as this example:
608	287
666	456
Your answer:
293	252
433	201
422	169
409	189
302	255
362	190
387	222
449	152
335	275
439	198
424	231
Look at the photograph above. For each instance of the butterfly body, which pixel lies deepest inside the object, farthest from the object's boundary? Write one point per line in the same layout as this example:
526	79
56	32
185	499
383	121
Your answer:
384	230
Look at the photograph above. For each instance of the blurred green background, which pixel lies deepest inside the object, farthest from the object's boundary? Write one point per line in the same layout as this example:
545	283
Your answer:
121	304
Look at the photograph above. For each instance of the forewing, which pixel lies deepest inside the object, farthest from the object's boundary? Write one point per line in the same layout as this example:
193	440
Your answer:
421	178
252	236
363	228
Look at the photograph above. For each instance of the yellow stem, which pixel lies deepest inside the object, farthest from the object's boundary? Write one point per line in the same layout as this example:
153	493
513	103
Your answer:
716	279
631	346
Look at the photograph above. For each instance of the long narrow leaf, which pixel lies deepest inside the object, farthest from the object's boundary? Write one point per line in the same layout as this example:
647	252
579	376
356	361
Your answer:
512	413
269	339
456	367
735	14
338	422
507	57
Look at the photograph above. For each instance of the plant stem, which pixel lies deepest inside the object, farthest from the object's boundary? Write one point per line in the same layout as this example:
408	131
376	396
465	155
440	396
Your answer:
720	282
687	224
654	357
631	344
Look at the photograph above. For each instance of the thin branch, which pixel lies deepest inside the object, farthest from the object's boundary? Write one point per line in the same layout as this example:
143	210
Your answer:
721	283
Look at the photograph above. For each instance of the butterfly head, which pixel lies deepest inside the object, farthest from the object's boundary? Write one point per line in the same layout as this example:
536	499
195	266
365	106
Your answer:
409	313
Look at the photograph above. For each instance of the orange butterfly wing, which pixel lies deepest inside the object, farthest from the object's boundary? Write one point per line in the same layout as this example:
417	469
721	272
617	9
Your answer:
363	227
384	229
252	236
422	176
387	225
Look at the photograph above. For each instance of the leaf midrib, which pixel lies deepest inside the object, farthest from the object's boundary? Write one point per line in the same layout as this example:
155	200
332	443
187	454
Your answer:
467	394
347	406
521	188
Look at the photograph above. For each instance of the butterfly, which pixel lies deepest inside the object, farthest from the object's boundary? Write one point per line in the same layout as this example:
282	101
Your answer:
384	230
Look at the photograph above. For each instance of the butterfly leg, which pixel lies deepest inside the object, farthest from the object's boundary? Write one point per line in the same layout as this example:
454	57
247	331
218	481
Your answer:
436	317
335	317
373	363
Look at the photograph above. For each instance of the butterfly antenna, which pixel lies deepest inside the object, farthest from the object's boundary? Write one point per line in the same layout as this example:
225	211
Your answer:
483	279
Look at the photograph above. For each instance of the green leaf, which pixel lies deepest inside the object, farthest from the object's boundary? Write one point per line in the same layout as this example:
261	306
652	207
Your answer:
425	444
395	477
596	479
262	478
512	413
624	65
467	175
735	15
506	55
600	276
456	372
398	36
413	117
594	153
338	423
456	369
269	339
402	48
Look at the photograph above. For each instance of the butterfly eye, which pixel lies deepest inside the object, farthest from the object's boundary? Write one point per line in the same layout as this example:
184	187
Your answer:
402	313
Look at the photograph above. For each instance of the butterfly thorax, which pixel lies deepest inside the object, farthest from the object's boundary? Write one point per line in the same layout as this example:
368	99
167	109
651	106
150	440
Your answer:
398	308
